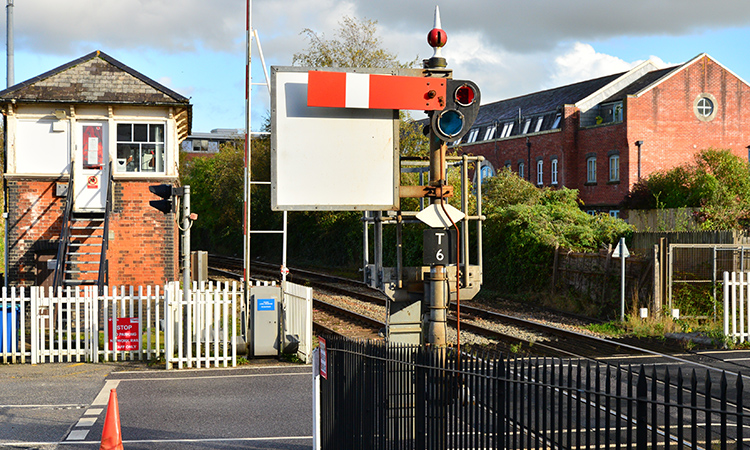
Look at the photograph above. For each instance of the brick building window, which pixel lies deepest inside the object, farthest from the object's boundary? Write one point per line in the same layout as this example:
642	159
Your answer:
556	123
553	171
540	172
614	167
704	107
521	170
591	169
140	147
490	133
507	129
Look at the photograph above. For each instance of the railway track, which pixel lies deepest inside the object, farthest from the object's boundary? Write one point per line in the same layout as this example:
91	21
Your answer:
504	332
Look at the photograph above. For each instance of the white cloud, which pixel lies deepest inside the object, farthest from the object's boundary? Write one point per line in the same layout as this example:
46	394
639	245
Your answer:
582	62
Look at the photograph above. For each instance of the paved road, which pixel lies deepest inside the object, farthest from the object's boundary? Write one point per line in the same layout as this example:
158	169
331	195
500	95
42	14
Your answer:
263	405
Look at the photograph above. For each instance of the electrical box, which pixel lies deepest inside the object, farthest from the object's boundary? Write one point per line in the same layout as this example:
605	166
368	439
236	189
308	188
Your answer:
199	266
265	311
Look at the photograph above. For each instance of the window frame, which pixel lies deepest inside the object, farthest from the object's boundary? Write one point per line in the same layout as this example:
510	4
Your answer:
699	110
614	158
151	126
490	133
521	171
591	169
538	126
553	170
540	172
507	130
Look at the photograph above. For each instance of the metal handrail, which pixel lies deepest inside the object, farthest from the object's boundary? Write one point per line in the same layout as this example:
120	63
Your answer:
103	261
62	248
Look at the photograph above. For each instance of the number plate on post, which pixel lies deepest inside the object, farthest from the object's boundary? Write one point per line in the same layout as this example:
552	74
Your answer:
439	246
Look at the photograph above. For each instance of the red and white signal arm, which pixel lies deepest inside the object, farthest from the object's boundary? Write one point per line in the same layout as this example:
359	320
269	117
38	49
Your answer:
374	91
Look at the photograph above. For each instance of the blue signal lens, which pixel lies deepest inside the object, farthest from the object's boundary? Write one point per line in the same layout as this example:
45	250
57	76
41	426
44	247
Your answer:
450	122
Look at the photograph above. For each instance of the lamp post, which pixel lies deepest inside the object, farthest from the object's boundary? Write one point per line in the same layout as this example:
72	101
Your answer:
639	143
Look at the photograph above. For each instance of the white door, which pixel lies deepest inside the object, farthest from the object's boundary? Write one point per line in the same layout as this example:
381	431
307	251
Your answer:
91	167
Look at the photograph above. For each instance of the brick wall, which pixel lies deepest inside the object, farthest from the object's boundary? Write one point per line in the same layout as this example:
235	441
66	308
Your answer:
143	244
34	218
663	118
143	241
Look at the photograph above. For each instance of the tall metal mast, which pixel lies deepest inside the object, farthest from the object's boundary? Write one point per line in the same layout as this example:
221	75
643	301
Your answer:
9	43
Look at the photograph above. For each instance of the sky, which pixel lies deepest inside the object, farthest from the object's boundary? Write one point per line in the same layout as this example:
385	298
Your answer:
509	48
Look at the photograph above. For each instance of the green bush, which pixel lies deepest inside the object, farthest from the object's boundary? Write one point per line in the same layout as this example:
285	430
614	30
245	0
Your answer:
524	226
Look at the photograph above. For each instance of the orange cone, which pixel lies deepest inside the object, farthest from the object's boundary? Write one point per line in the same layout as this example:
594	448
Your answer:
112	435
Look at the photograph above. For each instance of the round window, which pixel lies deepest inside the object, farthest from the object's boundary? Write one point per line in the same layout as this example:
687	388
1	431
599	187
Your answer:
704	107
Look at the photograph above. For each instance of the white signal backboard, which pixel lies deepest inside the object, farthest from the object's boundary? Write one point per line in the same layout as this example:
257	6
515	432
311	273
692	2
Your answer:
330	158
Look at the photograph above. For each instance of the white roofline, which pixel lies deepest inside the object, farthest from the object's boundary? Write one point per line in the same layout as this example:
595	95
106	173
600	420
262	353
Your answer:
683	66
611	88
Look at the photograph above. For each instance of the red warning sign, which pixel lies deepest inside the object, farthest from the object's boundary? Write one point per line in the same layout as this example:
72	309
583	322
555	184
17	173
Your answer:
92	182
128	334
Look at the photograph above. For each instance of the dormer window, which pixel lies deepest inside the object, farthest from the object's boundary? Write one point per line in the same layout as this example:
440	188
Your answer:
490	133
526	126
507	129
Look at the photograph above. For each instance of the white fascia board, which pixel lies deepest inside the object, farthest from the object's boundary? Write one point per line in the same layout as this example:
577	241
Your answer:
687	64
616	85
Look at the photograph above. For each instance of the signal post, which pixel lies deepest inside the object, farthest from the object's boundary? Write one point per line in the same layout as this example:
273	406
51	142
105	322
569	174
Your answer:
350	119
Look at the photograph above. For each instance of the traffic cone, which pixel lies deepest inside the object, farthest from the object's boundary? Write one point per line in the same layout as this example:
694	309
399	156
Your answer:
112	435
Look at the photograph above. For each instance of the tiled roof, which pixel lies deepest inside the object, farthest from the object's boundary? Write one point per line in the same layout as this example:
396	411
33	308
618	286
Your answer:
94	78
641	83
541	102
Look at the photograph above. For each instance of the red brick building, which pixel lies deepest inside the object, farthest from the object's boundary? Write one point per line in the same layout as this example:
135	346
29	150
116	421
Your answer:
599	136
89	138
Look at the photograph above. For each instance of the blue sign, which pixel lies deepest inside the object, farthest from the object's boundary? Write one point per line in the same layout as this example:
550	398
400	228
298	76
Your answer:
266	304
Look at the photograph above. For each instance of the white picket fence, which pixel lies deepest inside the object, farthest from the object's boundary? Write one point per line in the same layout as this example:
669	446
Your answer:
40	325
297	301
737	306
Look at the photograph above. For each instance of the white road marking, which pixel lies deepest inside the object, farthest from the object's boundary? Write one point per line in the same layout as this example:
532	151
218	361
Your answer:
77	435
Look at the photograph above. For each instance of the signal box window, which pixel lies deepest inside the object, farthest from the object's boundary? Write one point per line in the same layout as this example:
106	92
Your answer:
140	147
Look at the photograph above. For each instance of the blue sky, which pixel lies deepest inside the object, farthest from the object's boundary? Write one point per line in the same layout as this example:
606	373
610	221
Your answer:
508	48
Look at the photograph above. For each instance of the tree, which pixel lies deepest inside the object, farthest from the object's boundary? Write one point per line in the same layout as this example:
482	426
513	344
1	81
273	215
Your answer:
357	46
525	224
717	182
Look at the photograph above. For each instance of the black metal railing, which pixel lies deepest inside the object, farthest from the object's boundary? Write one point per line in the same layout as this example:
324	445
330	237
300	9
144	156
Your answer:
402	397
62	248
103	278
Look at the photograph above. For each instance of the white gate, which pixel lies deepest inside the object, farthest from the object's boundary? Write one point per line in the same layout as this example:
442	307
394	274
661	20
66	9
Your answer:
737	306
202	330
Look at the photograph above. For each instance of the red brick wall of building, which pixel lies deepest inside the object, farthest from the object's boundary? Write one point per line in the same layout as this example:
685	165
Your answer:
143	244
664	119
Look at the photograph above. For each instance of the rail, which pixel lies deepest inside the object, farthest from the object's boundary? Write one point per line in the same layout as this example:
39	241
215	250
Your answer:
103	278
62	248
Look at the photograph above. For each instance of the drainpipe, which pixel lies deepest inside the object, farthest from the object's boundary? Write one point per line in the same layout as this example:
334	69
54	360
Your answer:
528	156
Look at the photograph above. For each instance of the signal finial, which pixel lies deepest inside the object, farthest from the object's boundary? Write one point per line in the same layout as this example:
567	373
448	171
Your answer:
437	37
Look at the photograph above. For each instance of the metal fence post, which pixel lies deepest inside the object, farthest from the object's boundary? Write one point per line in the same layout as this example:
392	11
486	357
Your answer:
641	411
